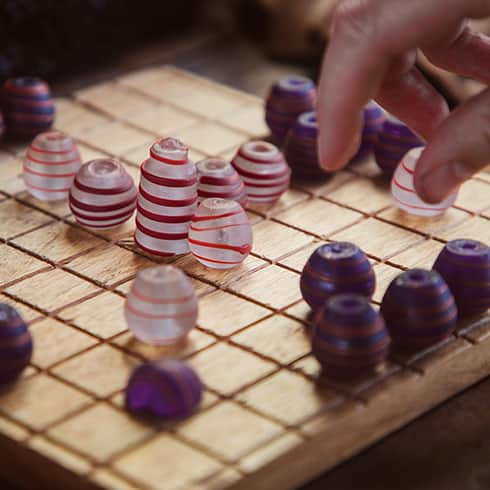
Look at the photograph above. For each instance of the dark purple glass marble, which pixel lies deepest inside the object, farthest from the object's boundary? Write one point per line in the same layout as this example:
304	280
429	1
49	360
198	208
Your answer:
301	147
465	266
349	337
287	99
28	105
168	389
395	139
419	309
334	268
15	344
374	117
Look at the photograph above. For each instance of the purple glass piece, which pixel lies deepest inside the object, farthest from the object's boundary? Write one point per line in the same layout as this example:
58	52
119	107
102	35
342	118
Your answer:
334	268
374	117
288	98
15	344
169	389
349	337
465	266
301	147
419	309
395	139
29	107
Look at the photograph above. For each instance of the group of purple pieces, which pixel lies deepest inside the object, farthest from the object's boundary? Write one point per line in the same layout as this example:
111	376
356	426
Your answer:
291	118
419	309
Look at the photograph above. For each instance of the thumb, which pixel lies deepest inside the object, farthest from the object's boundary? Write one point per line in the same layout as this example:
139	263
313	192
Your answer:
458	149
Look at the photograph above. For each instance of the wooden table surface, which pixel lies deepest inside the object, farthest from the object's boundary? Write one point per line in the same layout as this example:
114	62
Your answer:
446	449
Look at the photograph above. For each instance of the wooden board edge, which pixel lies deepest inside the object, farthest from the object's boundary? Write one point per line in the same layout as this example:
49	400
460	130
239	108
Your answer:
31	470
358	427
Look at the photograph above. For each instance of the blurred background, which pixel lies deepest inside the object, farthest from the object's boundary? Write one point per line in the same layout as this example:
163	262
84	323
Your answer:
241	42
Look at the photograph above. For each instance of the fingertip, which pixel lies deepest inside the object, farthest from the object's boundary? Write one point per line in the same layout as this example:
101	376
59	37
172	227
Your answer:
331	159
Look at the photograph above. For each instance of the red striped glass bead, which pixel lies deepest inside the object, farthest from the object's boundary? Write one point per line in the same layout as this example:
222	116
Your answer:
103	194
29	107
50	165
264	171
161	306
220	235
217	178
168	389
419	309
403	190
349	337
167	199
15	344
287	99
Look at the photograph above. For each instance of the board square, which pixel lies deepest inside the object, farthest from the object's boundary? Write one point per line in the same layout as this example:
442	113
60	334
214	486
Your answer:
476	228
289	398
367	195
273	240
280	338
290	198
57	241
473	195
27	313
100	432
108	265
422	255
249	119
297	260
323	186
227	369
194	342
17	218
11	181
101	371
52	290
55	341
15	264
224	314
102	315
184	465
311	217
379	239
115	138
273	287
60	209
114	99
452	217
29	405
74	119
301	311
211	138
229	431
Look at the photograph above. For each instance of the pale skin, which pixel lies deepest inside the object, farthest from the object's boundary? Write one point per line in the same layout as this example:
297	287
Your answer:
371	55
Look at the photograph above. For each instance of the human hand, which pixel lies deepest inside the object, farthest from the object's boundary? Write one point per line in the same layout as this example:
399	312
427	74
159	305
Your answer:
372	54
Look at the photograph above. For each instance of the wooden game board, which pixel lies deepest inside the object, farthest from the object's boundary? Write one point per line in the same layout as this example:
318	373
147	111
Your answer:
265	422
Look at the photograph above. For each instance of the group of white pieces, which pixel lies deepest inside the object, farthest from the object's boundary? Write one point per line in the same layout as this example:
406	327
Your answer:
180	207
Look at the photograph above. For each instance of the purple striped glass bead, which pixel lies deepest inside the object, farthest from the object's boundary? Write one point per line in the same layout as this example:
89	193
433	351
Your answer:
395	139
349	336
169	389
29	107
287	99
334	268
465	266
419	309
301	147
374	117
15	344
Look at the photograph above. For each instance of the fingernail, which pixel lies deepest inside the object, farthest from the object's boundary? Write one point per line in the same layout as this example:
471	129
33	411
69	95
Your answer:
437	184
344	158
